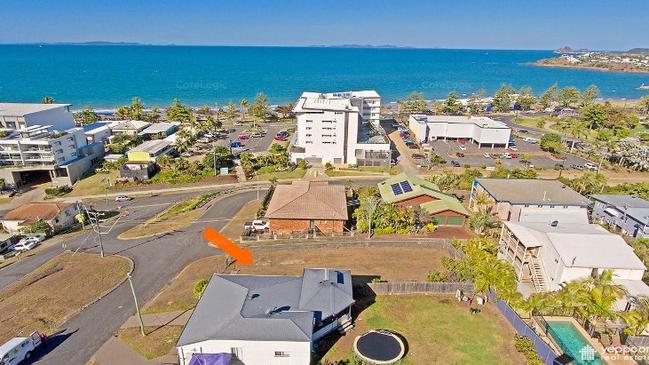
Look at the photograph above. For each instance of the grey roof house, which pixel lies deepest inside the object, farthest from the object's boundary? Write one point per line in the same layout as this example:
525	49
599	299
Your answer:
627	213
256	318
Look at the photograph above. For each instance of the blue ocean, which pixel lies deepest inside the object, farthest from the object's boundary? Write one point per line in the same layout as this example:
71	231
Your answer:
109	76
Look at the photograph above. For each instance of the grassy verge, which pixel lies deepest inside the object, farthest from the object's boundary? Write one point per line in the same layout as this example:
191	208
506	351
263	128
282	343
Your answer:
158	341
438	330
94	184
45	298
183	213
247	213
363	171
372	261
293	174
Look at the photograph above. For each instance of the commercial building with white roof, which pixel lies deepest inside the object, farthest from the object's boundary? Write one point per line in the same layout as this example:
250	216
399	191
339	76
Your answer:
547	254
340	128
15	116
481	130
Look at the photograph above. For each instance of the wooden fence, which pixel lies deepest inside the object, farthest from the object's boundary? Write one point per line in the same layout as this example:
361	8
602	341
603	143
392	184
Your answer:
418	287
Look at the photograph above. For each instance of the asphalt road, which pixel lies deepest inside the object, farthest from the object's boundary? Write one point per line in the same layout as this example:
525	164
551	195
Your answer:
157	261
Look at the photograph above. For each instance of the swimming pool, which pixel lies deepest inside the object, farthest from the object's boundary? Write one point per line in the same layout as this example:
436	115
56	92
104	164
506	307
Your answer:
567	336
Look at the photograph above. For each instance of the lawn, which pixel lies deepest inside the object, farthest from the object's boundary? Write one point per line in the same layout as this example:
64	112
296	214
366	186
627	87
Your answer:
438	330
183	213
159	341
363	171
94	184
45	298
416	261
297	173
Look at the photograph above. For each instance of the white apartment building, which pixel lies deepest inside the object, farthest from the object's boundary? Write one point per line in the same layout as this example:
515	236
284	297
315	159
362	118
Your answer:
340	128
22	115
39	153
481	130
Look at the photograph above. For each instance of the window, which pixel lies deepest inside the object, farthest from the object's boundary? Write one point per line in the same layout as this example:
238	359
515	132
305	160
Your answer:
308	134
282	354
309	142
309	121
308	128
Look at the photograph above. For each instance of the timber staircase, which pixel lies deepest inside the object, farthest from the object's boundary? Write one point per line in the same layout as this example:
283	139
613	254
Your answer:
538	275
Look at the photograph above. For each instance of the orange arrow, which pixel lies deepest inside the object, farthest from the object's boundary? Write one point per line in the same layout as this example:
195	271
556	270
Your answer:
243	256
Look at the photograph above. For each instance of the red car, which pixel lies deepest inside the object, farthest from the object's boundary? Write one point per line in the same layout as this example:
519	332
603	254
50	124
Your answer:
243	137
280	137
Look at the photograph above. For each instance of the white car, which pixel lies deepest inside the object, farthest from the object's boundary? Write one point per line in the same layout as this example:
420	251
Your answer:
26	244
591	166
487	155
513	148
122	198
18	349
462	147
260	225
530	140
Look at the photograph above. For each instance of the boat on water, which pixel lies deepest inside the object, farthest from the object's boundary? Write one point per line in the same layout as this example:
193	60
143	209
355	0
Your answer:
643	87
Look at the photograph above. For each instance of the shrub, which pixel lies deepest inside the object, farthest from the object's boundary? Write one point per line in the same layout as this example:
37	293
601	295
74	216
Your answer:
329	166
436	276
525	346
430	227
383	230
58	191
302	164
199	288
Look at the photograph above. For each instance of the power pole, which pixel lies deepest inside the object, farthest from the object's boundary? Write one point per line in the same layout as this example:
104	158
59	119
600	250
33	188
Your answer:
94	220
137	306
214	161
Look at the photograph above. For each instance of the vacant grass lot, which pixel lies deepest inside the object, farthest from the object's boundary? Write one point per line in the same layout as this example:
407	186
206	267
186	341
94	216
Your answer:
297	173
438	330
390	263
44	299
158	341
363	171
94	184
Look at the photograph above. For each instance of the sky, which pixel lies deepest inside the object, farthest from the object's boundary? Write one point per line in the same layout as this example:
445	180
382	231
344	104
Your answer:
481	24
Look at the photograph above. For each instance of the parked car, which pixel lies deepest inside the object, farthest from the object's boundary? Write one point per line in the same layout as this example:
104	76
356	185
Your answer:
455	163
236	144
513	148
577	167
530	140
26	244
591	166
459	154
257	225
523	131
514	155
18	349
243	137
257	135
186	154
418	156
506	155
463	147
395	125
487	155
280	138
412	145
123	198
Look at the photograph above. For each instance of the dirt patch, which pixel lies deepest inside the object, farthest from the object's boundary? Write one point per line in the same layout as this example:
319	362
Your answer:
45	298
389	263
159	341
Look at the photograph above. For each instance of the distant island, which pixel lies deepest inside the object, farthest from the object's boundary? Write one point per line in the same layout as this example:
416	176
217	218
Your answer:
359	46
634	60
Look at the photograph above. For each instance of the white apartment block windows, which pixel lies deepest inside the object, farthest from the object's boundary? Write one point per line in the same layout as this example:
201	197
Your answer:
282	354
308	142
309	128
309	135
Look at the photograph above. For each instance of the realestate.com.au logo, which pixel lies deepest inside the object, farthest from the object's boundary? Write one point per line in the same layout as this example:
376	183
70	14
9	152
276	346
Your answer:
637	353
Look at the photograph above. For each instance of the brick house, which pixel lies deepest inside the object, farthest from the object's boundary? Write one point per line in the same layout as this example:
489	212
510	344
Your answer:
410	191
308	206
58	215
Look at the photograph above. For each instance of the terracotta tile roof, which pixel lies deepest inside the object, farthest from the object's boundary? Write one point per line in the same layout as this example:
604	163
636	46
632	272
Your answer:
308	200
35	211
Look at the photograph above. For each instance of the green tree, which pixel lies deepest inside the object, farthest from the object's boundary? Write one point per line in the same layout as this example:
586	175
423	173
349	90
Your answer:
244	103
414	103
637	319
577	130
179	112
551	142
452	104
221	155
589	95
549	97
568	96
526	98
476	103
231	111
47	100
86	116
260	108
589	183
594	115
480	221
40	226
502	100
436	160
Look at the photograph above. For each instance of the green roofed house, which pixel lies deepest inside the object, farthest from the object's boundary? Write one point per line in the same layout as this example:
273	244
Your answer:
409	190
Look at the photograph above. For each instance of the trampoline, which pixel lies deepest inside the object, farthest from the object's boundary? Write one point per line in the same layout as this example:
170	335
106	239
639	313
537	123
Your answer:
379	347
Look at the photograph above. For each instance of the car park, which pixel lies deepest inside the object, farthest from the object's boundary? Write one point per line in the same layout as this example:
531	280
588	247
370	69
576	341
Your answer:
123	198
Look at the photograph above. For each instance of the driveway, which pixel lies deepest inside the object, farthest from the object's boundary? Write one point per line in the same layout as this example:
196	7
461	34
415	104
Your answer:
157	261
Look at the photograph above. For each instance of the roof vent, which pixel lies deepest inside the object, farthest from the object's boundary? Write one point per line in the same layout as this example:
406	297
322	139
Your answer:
554	223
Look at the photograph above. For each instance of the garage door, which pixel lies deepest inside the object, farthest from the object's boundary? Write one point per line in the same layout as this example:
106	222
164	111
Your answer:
455	221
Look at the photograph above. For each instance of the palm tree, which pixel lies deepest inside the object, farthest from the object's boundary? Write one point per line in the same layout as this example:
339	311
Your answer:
637	319
576	130
244	106
483	201
47	100
479	221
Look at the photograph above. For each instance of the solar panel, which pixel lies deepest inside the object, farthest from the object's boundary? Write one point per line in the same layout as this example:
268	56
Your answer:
406	187
396	189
